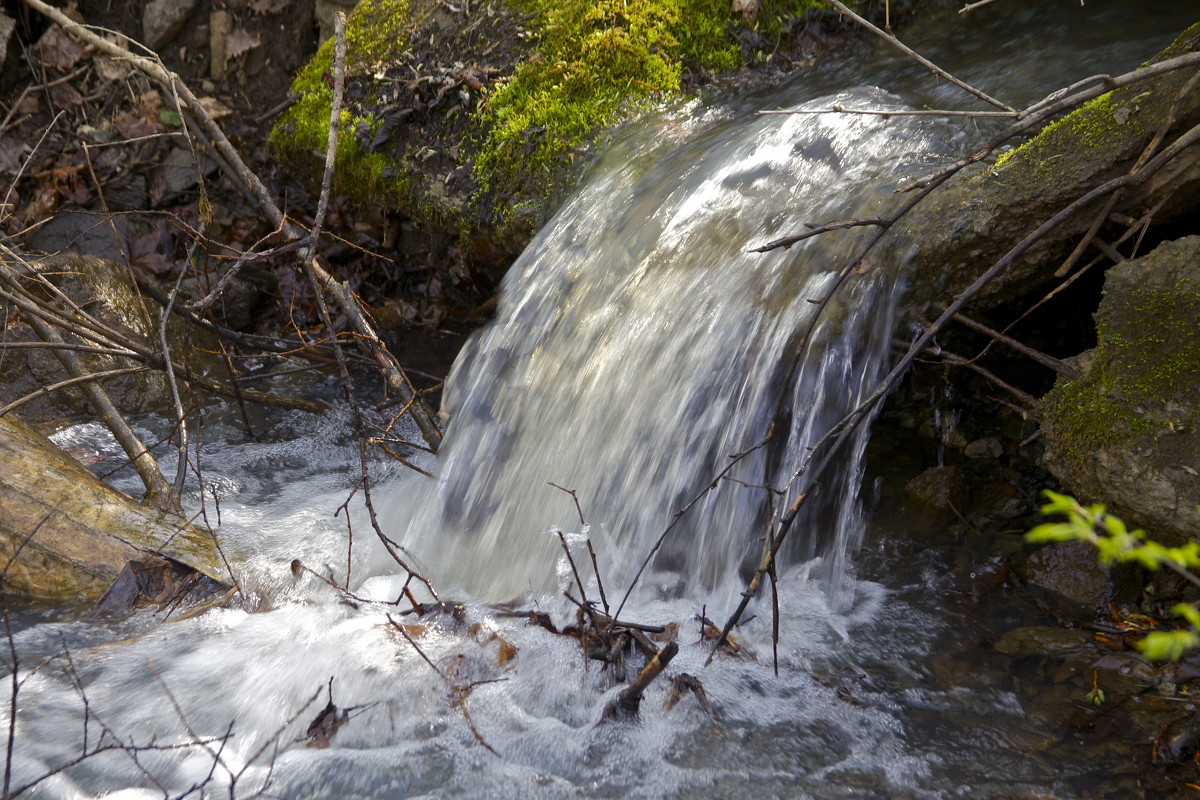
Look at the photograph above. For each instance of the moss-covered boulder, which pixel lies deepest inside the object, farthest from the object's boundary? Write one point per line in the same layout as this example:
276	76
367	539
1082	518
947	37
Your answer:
1126	430
984	211
475	118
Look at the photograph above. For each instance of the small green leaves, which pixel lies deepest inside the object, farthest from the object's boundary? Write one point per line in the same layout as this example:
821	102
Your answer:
1115	542
1168	645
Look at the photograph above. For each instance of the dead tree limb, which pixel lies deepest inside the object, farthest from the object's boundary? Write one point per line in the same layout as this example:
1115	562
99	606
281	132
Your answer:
626	704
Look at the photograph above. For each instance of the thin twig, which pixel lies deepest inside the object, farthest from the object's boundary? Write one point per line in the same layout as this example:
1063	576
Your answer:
913	54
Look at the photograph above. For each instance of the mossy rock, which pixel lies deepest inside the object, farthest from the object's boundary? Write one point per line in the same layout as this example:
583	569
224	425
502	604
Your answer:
476	121
1126	430
985	210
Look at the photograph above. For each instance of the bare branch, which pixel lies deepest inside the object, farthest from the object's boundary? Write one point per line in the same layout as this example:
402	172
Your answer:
920	59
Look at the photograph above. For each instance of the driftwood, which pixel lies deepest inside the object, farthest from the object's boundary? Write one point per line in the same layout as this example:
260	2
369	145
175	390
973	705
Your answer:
66	536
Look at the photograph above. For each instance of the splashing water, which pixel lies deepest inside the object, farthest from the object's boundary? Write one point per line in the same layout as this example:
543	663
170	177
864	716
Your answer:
640	345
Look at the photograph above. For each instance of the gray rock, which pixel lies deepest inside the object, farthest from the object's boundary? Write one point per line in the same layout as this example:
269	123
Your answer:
938	487
1126	430
83	232
1072	571
162	20
984	448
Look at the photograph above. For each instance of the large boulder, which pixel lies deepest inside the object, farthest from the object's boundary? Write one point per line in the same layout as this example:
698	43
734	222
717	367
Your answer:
1126	430
474	118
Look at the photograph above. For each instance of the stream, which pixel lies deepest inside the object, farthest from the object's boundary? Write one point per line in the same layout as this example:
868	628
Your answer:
638	346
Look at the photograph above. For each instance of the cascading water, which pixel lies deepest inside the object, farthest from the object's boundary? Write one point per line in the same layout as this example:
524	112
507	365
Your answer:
638	346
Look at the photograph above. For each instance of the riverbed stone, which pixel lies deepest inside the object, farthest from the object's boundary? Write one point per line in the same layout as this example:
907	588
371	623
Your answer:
939	487
1043	640
162	20
1072	571
989	447
1125	430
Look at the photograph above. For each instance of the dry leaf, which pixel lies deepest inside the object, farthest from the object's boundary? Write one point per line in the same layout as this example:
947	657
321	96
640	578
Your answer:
57	50
145	253
12	154
215	108
240	41
110	69
131	126
321	729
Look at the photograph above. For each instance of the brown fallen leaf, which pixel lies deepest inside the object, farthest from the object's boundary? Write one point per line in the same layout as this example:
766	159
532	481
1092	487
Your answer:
322	729
57	50
240	41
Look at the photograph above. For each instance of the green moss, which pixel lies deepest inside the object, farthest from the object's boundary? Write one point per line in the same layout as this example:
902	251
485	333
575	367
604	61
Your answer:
1092	126
303	131
596	61
1142	361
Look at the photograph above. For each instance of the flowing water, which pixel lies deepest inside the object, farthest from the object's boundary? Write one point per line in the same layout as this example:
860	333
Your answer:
638	347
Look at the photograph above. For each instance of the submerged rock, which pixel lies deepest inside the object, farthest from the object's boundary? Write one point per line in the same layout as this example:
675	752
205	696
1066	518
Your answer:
1126	430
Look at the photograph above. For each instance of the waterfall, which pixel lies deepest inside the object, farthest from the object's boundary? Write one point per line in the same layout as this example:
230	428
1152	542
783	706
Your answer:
640	344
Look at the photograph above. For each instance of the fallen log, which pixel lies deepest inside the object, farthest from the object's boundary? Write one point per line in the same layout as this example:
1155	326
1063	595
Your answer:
66	536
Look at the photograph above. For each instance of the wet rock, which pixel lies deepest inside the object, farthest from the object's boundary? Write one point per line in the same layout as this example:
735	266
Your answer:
984	448
1071	571
1126	430
939	487
1043	640
163	20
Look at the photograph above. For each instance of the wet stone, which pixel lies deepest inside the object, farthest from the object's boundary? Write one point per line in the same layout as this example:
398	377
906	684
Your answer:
789	749
939	487
1071	571
1043	640
984	448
